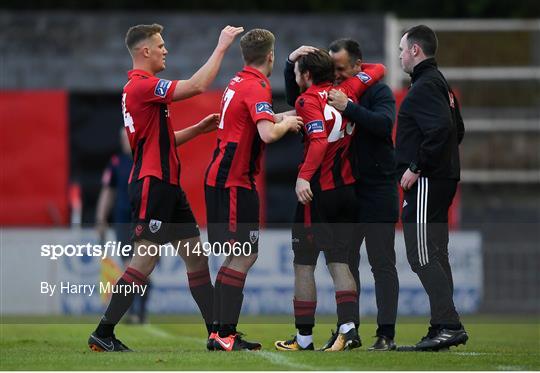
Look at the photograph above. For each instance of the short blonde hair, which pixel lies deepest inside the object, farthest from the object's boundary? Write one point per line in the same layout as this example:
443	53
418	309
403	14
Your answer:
138	33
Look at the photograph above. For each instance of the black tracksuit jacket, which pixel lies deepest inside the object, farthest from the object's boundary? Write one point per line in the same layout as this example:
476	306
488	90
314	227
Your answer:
430	126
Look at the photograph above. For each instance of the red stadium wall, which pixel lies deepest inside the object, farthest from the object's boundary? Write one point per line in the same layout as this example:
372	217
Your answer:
34	158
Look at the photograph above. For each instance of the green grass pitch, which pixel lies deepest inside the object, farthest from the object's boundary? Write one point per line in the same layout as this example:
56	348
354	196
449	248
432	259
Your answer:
496	343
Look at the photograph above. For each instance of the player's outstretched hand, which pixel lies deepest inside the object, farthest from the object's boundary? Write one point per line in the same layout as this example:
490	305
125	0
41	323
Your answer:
227	36
293	122
303	191
302	51
209	123
337	99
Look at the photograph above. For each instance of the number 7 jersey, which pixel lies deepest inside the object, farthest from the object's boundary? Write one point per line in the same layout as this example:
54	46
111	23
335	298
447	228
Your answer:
237	157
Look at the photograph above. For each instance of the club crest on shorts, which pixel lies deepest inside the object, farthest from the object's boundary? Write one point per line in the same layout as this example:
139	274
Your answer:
253	236
154	225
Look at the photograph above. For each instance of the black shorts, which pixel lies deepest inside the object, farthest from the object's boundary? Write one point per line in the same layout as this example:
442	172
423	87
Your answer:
233	215
160	212
326	224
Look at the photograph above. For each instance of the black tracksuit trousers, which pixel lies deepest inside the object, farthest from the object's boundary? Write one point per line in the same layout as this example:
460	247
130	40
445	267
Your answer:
425	227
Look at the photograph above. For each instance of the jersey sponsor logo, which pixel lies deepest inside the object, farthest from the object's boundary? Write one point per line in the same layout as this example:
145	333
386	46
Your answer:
365	78
154	225
264	107
315	126
162	87
324	95
253	236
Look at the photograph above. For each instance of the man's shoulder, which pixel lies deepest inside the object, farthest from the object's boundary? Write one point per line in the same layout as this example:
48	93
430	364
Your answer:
249	85
429	84
307	99
140	82
379	88
377	91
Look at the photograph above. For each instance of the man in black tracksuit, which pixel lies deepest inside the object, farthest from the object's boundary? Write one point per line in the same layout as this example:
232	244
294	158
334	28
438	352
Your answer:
430	128
374	168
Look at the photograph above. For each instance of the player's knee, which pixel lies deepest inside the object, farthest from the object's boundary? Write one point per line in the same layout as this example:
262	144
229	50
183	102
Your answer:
302	269
243	263
337	268
144	264
196	262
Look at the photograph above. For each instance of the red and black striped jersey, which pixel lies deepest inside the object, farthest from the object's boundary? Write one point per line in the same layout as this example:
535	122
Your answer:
237	157
322	122
148	125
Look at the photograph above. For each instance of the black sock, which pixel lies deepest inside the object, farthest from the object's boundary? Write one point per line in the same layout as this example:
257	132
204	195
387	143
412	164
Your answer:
120	303
202	291
232	286
347	307
216	316
304	316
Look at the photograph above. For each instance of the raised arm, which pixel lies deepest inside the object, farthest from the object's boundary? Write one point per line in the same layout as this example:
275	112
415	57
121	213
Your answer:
203	78
292	91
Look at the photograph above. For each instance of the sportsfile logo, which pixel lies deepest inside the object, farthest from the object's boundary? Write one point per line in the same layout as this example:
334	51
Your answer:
264	107
162	87
315	126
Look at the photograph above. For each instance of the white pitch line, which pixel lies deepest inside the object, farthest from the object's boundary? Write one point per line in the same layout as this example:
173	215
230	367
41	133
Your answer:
158	332
274	357
281	359
473	353
509	367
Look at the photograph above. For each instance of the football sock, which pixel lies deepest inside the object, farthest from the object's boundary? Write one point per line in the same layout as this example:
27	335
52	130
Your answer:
344	328
347	307
216	316
120	302
304	316
202	291
232	286
304	340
